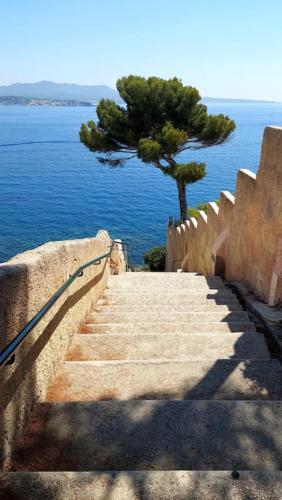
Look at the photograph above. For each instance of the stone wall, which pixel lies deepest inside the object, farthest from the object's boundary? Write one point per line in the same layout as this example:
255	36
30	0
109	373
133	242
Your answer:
241	237
26	283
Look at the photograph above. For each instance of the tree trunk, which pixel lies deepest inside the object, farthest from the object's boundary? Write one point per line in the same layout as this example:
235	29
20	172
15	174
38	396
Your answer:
181	186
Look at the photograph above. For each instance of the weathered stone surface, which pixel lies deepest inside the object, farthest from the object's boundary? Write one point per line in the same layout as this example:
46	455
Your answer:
147	485
172	309
174	293
151	379
193	327
167	346
167	300
162	316
241	238
153	435
167	281
150	392
269	316
26	283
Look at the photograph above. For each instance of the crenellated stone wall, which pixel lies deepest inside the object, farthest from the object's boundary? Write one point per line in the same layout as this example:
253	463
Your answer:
241	237
26	283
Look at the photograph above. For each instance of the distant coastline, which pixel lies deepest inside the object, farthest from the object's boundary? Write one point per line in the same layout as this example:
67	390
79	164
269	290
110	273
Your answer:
46	93
35	101
38	101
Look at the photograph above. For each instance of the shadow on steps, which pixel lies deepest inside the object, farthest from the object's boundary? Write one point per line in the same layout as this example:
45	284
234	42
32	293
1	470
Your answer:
153	436
153	485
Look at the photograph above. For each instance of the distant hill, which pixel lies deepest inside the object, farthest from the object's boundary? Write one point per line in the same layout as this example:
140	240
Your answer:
78	94
51	90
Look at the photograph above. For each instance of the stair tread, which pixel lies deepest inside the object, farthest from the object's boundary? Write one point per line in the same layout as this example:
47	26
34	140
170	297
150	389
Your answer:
191	292
147	327
155	287
162	316
178	280
167	379
167	345
168	299
148	435
164	275
152	485
169	308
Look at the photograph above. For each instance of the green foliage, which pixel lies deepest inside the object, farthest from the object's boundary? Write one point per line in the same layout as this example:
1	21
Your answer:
217	129
141	269
160	119
189	172
165	111
194	211
148	150
171	138
155	258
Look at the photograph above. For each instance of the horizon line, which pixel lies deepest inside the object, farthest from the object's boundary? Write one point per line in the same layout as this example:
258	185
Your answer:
265	100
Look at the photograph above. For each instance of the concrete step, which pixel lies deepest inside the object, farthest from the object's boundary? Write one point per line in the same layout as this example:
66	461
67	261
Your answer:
155	287
161	276
167	346
164	277
168	294
169	309
150	435
159	300
145	485
129	380
160	316
149	328
174	281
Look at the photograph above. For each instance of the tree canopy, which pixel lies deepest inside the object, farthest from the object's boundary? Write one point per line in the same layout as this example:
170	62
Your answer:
158	120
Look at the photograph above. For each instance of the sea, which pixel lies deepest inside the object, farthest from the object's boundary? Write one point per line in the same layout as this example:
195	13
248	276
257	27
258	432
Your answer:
53	188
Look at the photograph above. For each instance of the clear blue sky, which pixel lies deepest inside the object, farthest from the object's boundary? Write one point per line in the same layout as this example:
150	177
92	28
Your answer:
227	48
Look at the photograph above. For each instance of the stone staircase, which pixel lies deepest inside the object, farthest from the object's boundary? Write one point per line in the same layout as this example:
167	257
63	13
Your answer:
165	393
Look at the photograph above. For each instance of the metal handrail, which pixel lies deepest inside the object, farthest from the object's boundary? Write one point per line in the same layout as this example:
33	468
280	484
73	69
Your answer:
10	349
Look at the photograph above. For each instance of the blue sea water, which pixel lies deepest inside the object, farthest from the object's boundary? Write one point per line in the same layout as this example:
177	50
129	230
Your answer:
53	188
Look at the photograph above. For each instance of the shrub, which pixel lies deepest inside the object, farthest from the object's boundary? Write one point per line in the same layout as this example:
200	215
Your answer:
194	211
141	269
155	258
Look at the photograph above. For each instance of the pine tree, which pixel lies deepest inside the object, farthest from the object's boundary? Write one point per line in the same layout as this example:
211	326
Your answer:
160	119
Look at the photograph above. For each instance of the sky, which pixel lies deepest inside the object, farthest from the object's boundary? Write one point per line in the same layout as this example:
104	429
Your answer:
226	48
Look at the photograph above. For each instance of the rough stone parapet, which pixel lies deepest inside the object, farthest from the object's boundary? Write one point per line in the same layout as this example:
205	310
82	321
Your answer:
241	237
27	282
